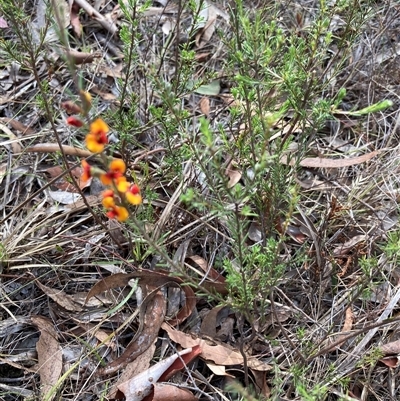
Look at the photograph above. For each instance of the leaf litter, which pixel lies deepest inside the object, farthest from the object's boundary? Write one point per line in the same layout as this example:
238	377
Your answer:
50	263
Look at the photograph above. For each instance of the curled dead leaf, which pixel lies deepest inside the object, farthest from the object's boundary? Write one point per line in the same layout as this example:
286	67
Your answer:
212	320
147	333
391	361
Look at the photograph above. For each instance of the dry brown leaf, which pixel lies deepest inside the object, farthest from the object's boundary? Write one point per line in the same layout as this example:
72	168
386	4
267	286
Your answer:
207	31
49	355
319	162
209	323
296	233
116	71
3	171
105	22
229	100
215	287
17	125
61	298
204	105
167	392
254	233
180	363
3	23
348	320
19	366
201	57
62	183
347	325
117	231
220	354
71	107
108	96
391	362
168	26
349	245
64	197
74	18
91	200
226	330
14	141
152	11
278	314
211	273
101	335
234	176
218	370
391	348
261	382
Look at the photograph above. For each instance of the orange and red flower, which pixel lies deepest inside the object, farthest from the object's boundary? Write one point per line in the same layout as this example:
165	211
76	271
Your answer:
118	212
133	196
96	139
115	171
108	199
87	171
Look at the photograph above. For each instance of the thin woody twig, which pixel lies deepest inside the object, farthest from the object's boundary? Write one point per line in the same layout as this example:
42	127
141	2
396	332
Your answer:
104	22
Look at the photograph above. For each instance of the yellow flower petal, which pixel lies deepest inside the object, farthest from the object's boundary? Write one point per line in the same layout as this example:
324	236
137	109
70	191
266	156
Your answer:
108	202
122	184
133	199
93	145
122	213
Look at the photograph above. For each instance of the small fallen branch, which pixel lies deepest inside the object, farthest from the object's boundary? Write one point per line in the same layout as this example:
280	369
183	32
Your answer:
53	147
